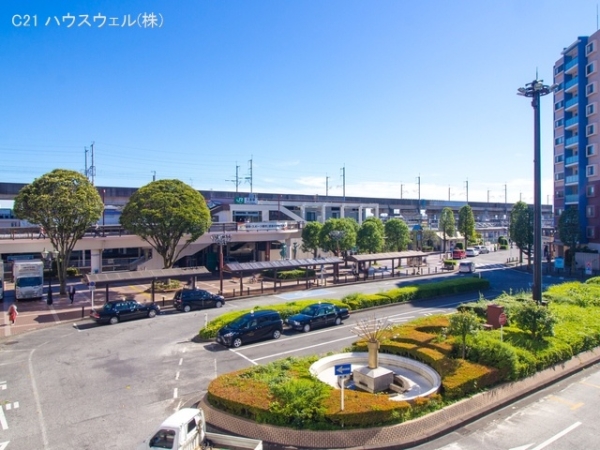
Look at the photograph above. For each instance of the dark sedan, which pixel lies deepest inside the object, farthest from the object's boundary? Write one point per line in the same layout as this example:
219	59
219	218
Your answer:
119	310
316	316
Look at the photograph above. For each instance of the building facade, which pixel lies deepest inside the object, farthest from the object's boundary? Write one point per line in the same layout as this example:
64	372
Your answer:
577	136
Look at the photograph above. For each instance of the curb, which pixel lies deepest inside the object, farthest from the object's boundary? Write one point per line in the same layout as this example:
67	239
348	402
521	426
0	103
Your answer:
408	434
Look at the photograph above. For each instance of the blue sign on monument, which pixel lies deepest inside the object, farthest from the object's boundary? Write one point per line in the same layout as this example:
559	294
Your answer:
343	369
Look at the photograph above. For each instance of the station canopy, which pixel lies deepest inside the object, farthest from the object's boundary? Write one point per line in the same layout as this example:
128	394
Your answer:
142	275
389	255
282	264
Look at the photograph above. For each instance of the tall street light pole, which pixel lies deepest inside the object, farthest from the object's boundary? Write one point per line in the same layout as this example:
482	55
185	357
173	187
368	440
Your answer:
221	240
535	90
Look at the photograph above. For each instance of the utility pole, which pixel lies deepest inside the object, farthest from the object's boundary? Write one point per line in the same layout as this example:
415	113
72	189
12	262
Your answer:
505	200
488	196
326	187
448	193
87	174
249	177
467	184
401	189
92	167
153	175
237	180
419	192
344	182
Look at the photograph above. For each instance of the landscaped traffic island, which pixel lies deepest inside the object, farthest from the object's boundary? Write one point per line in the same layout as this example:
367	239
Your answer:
467	358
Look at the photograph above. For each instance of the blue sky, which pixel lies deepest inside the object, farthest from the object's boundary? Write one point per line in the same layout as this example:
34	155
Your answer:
390	91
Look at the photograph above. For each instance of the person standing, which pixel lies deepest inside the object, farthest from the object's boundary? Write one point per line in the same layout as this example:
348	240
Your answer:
72	293
12	313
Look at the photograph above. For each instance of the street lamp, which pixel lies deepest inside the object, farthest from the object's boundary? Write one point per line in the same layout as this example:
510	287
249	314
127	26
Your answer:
49	256
535	90
221	240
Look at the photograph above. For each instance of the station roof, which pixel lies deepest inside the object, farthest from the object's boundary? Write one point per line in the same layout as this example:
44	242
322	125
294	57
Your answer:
281	264
389	255
140	275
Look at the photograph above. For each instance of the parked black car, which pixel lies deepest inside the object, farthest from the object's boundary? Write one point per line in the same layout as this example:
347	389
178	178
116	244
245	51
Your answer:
316	316
119	310
250	327
188	299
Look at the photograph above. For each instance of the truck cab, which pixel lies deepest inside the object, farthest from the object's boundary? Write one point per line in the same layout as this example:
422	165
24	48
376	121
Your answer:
459	253
182	430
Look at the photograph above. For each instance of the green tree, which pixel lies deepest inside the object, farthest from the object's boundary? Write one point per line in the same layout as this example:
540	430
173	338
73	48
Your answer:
466	223
338	235
568	231
162	213
463	324
397	235
65	204
447	225
310	237
521	229
370	236
536	319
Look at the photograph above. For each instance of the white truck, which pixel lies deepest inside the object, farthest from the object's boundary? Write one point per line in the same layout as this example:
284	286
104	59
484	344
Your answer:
186	430
29	279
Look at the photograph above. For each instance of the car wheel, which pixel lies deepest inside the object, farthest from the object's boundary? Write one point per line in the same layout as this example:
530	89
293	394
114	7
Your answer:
113	320
306	328
152	313
218	304
276	334
237	342
338	321
187	308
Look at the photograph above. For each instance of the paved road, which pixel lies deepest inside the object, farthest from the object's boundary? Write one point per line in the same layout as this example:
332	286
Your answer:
81	386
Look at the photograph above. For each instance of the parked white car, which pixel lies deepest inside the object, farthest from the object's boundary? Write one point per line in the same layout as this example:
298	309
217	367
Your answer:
471	251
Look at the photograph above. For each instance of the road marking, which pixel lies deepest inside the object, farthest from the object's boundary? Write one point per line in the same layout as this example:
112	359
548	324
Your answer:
304	294
10	406
522	447
583	382
557	436
55	314
180	361
177	376
3	421
4	444
38	403
175	393
305	348
2	385
571	405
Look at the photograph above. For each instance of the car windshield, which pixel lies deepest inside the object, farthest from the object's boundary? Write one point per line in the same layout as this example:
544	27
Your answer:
163	439
239	323
311	310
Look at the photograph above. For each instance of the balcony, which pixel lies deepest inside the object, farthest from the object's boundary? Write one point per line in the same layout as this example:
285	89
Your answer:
572	198
573	140
571	64
572	121
569	84
571	102
572	179
572	160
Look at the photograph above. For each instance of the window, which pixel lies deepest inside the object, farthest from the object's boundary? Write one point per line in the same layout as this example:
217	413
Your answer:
559	194
590	170
590	68
559	123
590	191
590	130
590	48
559	105
590	109
559	176
590	211
590	232
558	69
559	140
590	88
590	150
559	158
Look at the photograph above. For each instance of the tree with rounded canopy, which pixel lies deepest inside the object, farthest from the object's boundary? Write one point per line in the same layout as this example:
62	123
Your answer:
397	235
338	235
447	225
65	204
162	213
521	229
310	237
466	223
370	236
